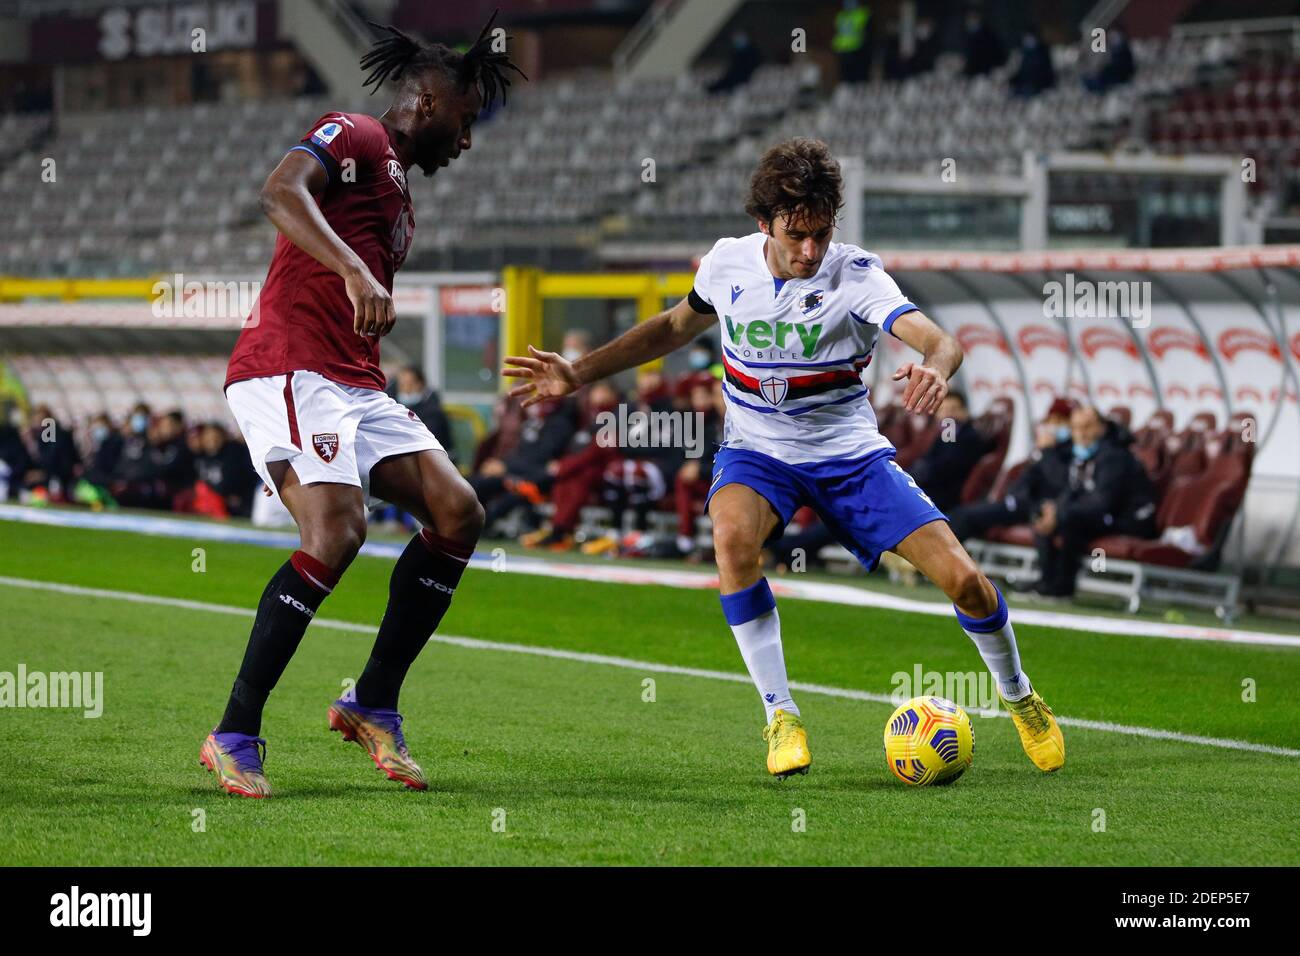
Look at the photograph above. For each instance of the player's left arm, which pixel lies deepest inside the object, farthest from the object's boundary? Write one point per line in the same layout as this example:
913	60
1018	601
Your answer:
927	380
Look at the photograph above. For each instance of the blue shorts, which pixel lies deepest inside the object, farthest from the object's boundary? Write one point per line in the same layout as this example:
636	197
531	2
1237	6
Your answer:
869	504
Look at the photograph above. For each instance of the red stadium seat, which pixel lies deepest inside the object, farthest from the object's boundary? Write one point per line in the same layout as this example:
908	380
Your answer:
1006	480
1206	502
995	427
1020	534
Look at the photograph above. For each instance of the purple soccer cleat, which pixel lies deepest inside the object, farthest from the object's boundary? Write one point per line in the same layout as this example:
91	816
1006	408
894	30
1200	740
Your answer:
379	731
236	759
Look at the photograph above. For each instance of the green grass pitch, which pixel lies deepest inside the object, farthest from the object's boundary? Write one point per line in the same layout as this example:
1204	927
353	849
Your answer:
571	758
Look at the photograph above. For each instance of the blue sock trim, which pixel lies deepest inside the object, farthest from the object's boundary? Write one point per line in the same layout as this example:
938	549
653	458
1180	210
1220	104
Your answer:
985	625
743	606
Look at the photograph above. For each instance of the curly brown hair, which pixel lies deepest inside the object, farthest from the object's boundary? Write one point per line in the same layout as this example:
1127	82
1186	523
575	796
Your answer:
798	179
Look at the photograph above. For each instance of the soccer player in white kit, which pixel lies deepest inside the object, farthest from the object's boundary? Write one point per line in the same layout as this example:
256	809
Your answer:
800	317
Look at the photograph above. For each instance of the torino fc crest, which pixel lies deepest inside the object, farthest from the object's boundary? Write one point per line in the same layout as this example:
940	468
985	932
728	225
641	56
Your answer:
327	445
774	389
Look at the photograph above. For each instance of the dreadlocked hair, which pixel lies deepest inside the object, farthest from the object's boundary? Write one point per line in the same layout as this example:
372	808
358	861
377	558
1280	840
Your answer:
394	55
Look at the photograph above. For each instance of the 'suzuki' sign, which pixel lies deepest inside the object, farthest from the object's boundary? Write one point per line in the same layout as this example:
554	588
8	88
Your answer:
157	29
163	31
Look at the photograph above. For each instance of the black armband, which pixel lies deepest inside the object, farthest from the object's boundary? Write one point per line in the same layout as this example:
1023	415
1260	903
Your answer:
699	305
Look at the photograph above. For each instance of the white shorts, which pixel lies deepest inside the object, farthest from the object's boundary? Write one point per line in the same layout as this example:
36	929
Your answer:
326	431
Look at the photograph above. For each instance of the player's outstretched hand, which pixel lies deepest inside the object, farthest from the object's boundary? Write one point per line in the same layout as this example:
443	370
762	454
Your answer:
926	387
550	376
372	306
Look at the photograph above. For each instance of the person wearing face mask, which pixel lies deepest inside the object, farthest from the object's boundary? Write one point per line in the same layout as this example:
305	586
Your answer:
1043	478
102	454
132	463
1107	492
576	344
703	371
1035	72
104	451
414	392
55	460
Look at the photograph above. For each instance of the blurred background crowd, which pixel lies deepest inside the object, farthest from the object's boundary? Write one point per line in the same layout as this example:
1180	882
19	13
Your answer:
547	479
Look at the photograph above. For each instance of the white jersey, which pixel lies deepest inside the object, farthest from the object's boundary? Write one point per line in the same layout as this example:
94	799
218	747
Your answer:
794	350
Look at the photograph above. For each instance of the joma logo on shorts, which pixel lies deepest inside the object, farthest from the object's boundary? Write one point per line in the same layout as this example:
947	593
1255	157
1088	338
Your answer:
294	602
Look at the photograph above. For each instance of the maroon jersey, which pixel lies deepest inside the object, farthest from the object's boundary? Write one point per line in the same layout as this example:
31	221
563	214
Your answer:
303	317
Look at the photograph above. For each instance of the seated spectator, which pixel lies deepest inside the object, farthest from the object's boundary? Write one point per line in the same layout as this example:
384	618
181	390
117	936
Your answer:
508	414
801	550
223	465
983	49
1107	492
414	392
942	471
1119	67
647	470
55	462
900	63
578	474
745	59
704	368
165	469
1035	72
1044	478
575	344
102	453
15	460
522	478
105	449
691	483
132	465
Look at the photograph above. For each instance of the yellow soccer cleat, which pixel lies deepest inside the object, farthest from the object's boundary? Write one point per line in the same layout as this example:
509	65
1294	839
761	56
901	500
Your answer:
1040	734
787	745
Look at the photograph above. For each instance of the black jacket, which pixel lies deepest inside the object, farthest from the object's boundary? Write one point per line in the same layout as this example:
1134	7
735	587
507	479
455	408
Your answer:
542	439
14	455
57	458
102	460
230	474
943	470
430	411
1045	478
1110	488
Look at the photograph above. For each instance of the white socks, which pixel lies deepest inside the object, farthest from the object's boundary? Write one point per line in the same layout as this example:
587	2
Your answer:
754	620
996	642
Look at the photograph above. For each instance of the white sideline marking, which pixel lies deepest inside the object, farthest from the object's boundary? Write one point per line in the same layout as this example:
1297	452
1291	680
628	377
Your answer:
623	574
629	663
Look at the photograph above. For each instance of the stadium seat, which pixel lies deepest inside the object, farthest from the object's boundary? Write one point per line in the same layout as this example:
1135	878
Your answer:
1201	506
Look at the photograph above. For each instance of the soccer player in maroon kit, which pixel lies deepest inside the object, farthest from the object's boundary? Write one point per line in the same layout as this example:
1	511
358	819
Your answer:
305	386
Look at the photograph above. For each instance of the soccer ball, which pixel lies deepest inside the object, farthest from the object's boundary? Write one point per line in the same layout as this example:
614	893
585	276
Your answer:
929	742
